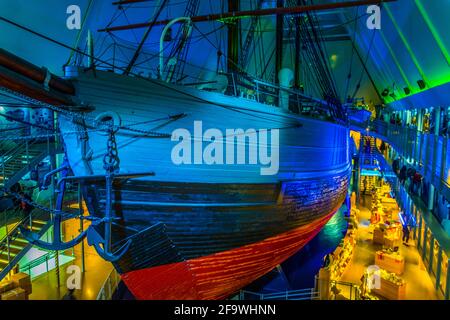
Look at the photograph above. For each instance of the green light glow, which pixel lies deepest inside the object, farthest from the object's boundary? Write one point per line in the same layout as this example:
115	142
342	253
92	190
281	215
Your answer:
397	63
433	31
408	47
37	270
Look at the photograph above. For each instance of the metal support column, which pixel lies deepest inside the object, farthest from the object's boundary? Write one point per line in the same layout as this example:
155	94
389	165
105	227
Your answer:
233	38
81	213
419	231
57	271
430	263
424	245
416	217
438	269
279	41
437	122
298	55
443	159
447	285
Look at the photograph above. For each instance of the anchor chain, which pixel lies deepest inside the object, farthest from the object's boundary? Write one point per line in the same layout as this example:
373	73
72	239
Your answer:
100	126
32	203
111	158
103	244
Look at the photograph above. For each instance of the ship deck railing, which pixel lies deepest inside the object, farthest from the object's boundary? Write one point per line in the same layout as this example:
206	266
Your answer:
109	286
300	103
302	294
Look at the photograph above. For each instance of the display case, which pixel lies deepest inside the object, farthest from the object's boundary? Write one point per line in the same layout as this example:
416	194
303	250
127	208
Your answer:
388	234
392	287
342	257
390	261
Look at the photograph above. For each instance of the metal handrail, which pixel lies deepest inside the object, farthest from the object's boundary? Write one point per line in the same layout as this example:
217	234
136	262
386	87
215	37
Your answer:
15	231
7	215
32	264
109	286
404	140
301	294
24	147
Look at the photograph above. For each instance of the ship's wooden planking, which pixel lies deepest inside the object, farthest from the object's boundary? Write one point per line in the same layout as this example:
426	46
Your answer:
204	231
314	148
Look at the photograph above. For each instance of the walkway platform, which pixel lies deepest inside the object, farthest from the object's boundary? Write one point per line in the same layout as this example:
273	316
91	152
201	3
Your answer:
419	285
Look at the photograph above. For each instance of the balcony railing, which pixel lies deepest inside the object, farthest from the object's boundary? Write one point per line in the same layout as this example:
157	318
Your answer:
429	152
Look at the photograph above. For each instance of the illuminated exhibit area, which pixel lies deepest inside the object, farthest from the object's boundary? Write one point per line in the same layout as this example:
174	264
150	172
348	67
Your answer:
208	150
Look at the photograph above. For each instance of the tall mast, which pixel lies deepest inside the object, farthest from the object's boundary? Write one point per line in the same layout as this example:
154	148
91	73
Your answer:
279	40
144	38
297	48
233	38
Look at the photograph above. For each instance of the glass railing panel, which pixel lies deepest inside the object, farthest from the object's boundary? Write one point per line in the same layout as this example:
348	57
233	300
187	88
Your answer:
438	162
446	169
423	149
444	271
436	253
428	156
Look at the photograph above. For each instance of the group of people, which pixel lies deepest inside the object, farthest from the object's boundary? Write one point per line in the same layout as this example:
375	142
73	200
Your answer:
411	179
413	182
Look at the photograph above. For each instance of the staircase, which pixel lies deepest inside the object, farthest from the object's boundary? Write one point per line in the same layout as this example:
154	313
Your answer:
367	150
13	246
16	160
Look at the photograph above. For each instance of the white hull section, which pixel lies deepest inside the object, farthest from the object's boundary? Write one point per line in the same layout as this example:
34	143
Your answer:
312	149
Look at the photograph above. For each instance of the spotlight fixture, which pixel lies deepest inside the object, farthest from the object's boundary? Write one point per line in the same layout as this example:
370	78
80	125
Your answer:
421	84
385	92
407	90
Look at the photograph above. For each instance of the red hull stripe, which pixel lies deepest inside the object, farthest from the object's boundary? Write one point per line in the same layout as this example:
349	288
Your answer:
221	274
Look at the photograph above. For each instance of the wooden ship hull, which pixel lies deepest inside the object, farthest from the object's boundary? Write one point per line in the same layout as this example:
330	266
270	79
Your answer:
198	231
204	231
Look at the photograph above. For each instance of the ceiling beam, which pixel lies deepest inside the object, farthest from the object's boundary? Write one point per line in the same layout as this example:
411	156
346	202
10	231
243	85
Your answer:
253	13
119	3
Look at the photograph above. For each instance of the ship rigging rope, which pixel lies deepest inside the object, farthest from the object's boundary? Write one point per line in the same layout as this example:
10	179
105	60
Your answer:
153	56
323	51
96	124
358	86
74	114
77	41
41	207
349	76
